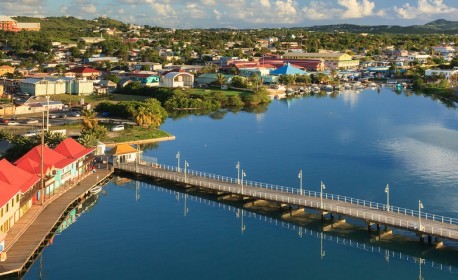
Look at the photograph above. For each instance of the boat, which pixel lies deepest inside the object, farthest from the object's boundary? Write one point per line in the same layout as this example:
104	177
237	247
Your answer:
328	88
96	189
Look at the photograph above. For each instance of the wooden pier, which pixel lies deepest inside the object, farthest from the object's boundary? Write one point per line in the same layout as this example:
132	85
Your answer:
33	231
425	225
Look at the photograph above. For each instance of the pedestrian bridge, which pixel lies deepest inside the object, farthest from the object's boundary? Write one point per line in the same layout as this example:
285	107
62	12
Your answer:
422	223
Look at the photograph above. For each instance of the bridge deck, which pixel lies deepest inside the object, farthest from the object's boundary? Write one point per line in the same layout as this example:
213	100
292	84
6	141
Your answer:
370	212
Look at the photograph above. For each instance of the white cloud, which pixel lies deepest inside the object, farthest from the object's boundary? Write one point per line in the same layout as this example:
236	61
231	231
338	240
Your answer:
356	8
424	8
217	14
22	7
317	10
345	9
208	2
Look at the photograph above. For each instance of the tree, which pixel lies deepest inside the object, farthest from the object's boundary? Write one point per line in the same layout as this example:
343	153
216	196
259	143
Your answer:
220	79
255	81
90	125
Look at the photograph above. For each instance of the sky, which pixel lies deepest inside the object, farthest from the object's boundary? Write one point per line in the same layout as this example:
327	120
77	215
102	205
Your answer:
241	13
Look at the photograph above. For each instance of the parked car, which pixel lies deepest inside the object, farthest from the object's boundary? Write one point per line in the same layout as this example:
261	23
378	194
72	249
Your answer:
5	121
62	116
12	123
74	114
52	116
118	127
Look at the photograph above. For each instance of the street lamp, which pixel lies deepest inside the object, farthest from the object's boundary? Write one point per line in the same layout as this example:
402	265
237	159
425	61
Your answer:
238	172
178	162
387	190
420	206
300	181
322	187
243	175
47	109
185	165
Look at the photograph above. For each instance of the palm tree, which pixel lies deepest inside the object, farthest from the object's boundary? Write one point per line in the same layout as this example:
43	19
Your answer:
220	79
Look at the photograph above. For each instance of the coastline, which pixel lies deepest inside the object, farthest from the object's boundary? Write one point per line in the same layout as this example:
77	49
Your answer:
143	141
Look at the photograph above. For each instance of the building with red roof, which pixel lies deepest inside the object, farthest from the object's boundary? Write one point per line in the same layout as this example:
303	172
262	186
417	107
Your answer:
17	188
83	72
82	156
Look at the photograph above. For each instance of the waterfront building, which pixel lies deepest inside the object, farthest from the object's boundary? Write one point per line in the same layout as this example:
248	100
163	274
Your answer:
331	60
83	158
124	153
447	73
17	188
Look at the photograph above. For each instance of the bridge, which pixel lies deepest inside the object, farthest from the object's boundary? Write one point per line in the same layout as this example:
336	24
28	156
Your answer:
372	213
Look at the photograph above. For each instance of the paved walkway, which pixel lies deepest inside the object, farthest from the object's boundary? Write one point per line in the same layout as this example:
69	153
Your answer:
25	237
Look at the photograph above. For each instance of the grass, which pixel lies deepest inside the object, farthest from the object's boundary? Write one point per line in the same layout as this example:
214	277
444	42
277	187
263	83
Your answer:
137	133
227	92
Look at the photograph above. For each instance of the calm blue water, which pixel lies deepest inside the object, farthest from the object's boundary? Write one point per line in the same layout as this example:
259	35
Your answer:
355	143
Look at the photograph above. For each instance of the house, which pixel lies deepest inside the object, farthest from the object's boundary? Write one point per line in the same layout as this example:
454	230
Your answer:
42	86
38	104
124	153
17	188
82	156
6	69
177	79
62	166
332	60
145	79
83	72
208	78
447	73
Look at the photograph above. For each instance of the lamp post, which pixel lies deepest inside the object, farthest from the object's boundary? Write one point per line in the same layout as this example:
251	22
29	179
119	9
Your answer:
241	182
322	187
47	109
238	172
178	162
186	164
387	190
300	181
420	206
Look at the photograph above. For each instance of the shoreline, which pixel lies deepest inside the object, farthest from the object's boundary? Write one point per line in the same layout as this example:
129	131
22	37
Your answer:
143	141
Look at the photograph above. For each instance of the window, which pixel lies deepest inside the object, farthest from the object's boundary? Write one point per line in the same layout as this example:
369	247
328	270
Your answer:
17	198
12	203
1	213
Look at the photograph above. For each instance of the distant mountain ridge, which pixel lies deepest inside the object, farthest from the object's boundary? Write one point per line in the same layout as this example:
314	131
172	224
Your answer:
437	26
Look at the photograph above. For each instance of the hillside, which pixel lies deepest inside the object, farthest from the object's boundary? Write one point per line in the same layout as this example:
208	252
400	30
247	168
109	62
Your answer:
438	26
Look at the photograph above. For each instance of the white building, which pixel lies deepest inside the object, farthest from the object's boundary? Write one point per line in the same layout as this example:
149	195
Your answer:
177	79
446	72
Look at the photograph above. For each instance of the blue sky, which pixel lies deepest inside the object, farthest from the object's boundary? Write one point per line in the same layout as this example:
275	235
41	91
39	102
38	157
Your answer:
241	13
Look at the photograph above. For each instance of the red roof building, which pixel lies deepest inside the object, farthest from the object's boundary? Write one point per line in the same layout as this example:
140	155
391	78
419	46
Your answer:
16	193
31	161
70	148
83	72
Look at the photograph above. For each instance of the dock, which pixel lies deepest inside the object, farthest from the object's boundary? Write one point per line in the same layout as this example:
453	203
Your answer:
423	224
28	237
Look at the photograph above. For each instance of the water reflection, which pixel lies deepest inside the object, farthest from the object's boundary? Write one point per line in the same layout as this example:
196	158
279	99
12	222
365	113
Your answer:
438	259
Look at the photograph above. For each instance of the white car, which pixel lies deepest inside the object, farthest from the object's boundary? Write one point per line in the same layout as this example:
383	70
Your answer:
31	121
118	127
12	123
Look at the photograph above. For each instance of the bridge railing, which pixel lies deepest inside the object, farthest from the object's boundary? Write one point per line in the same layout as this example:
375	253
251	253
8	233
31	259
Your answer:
309	193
